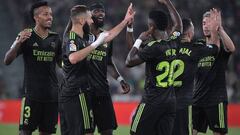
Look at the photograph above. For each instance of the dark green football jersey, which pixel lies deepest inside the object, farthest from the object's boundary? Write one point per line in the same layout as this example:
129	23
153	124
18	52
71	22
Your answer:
40	57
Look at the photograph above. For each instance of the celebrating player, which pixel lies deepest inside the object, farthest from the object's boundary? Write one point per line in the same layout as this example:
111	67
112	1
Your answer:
41	50
99	61
156	112
189	54
75	96
210	94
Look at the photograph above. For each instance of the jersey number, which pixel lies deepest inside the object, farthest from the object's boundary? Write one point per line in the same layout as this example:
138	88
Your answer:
27	110
171	72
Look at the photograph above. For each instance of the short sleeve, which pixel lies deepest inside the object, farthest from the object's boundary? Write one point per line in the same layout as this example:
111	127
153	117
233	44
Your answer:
150	51
72	44
205	50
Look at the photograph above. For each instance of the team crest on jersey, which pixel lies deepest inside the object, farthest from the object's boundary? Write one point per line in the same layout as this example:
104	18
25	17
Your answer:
91	38
175	35
72	46
53	45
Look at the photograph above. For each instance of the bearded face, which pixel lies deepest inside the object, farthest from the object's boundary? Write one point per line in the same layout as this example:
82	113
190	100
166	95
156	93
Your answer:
98	16
98	22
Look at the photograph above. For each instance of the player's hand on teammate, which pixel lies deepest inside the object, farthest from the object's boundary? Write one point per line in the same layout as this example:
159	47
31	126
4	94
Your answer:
24	35
146	35
125	87
130	14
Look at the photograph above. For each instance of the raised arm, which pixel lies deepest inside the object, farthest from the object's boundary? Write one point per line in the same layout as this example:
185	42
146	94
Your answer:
129	35
227	41
117	29
78	56
177	21
12	53
133	59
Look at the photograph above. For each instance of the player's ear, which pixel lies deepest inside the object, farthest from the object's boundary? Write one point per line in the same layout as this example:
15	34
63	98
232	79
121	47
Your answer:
35	17
82	20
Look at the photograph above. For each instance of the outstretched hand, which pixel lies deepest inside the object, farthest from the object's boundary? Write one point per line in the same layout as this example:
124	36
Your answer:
214	20
130	14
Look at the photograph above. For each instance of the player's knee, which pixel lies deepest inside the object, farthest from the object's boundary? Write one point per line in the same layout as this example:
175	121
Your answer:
107	132
195	132
25	132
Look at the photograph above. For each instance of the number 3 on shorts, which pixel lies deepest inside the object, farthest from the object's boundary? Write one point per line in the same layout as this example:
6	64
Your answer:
171	71
27	111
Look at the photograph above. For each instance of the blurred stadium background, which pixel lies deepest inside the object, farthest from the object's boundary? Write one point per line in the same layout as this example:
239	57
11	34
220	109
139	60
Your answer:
14	17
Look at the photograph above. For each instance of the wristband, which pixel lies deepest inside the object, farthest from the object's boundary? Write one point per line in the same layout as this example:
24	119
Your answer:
100	40
120	78
129	29
94	45
137	43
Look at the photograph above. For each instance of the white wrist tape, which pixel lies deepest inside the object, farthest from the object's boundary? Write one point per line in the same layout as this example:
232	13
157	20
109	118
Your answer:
95	45
129	29
100	39
120	78
137	43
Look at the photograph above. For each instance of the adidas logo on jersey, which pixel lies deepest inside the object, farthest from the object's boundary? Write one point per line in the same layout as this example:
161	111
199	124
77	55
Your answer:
35	44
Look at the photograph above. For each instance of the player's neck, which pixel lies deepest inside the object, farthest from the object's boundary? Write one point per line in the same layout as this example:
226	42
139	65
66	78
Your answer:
185	39
160	35
78	30
208	39
95	30
42	32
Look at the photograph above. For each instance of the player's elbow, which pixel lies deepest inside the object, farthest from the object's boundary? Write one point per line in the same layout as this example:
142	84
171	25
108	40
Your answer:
233	49
129	63
73	60
6	62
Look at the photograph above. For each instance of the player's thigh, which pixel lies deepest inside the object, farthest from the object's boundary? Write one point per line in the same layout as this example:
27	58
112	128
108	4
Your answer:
217	117
144	121
183	121
31	113
63	119
75	116
104	114
165	123
200	122
49	120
